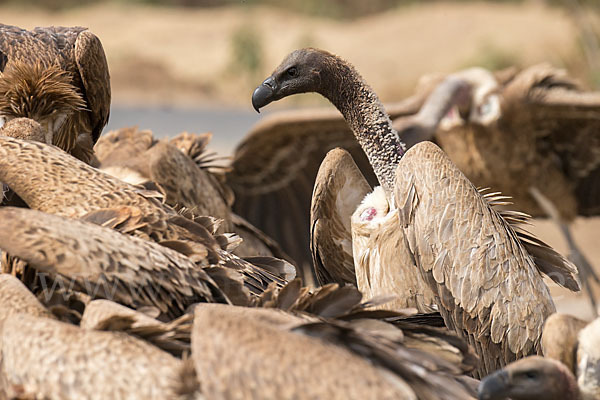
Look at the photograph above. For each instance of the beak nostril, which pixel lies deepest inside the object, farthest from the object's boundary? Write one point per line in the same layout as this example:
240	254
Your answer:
270	82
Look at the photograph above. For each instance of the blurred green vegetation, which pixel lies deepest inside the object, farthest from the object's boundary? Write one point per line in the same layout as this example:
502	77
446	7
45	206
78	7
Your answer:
338	9
246	52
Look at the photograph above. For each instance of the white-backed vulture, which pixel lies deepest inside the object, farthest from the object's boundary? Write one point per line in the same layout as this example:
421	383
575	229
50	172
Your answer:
488	287
339	189
532	129
101	262
49	180
59	77
569	371
530	378
274	168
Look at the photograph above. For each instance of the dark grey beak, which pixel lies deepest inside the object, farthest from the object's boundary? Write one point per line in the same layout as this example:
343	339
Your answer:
264	94
494	386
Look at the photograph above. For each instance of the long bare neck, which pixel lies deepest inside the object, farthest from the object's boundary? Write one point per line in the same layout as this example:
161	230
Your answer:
365	114
445	95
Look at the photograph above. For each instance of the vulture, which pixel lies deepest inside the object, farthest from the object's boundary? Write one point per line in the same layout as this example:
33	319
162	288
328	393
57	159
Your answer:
273	171
340	187
57	76
530	378
321	358
182	170
532	134
570	369
49	180
486	282
575	344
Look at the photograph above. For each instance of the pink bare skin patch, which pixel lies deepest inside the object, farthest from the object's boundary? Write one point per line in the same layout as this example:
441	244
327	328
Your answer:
368	214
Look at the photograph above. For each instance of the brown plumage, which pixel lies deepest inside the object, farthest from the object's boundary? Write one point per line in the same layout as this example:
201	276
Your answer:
104	263
59	77
339	189
531	378
16	298
179	169
533	131
106	315
55	183
43	358
485	275
274	168
559	338
321	359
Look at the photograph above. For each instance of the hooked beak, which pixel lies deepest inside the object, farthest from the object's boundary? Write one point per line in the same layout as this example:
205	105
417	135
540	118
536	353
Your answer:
494	386
264	94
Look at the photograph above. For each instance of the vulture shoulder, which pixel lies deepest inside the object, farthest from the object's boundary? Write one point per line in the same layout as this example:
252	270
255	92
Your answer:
559	338
172	337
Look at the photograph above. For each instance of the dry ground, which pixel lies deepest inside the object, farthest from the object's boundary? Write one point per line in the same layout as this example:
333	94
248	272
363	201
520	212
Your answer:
185	57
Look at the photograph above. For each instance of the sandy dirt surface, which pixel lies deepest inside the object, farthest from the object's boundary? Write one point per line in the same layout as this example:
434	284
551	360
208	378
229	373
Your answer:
186	56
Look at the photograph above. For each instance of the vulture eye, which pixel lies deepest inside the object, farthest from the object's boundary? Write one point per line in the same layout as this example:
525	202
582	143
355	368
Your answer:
292	71
531	374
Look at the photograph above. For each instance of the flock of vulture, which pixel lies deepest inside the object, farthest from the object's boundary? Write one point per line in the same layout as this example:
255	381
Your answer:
337	256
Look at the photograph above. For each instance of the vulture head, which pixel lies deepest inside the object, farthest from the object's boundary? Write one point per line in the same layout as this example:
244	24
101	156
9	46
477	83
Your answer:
531	378
302	71
40	92
484	104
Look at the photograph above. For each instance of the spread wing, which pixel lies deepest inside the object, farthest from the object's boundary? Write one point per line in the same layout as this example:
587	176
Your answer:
104	263
339	189
93	69
543	100
274	169
490	288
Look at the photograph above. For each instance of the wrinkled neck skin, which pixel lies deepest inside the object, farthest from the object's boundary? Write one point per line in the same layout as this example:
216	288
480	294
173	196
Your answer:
363	111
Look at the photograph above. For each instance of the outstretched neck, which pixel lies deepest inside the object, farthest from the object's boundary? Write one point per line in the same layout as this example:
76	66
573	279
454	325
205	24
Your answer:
363	111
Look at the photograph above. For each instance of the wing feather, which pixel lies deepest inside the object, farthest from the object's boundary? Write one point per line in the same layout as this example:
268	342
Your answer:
492	290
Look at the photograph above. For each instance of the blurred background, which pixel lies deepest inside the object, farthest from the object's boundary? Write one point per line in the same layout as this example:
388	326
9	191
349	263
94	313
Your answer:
192	64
